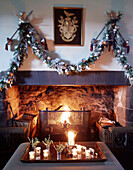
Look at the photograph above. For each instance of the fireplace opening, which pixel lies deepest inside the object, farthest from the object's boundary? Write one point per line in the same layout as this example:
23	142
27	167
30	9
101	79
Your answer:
82	106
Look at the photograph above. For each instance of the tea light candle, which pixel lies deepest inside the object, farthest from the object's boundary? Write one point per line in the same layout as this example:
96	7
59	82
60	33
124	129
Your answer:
79	147
92	150
45	153
31	155
87	153
38	151
38	157
74	152
96	155
79	156
84	148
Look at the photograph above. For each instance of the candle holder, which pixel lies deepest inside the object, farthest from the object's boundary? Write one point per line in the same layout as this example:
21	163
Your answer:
79	149
38	151
74	152
58	155
45	153
31	155
87	153
59	148
38	157
92	151
84	149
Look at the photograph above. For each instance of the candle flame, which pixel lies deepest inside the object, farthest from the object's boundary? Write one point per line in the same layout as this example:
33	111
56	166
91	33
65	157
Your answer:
71	135
71	138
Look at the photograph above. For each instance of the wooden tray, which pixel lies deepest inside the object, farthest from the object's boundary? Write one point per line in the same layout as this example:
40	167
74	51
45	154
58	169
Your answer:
52	158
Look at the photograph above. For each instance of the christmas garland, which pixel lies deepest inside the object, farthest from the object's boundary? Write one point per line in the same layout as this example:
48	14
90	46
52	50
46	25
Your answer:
28	35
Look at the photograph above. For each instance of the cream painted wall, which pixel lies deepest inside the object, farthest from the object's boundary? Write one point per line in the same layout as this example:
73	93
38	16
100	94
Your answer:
94	20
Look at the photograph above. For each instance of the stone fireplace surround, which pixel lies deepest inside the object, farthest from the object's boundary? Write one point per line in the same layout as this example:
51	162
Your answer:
105	93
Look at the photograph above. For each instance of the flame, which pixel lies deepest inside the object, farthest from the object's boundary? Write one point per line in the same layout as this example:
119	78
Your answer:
71	138
65	115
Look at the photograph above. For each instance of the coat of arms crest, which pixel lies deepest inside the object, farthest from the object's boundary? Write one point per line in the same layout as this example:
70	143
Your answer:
68	26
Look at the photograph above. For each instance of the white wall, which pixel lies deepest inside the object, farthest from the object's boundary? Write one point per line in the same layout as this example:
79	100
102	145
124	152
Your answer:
94	20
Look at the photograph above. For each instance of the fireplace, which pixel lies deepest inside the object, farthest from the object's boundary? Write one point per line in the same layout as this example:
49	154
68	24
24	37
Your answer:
88	104
88	95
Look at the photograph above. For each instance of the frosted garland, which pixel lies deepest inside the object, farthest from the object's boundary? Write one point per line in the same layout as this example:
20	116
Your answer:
29	36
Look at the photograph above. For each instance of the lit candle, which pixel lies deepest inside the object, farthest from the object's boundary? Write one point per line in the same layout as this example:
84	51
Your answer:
92	151
96	155
45	153
31	155
38	157
87	153
79	147
79	156
74	152
84	149
71	137
38	151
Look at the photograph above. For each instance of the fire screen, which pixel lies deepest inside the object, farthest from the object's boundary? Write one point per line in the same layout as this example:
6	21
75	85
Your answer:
58	122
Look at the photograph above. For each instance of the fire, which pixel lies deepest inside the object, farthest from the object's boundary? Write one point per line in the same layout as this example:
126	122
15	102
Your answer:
65	115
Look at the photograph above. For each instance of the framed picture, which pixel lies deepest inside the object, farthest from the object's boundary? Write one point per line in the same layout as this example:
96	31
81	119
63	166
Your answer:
68	26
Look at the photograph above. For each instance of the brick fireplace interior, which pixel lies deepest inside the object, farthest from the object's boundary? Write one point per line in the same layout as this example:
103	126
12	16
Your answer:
93	94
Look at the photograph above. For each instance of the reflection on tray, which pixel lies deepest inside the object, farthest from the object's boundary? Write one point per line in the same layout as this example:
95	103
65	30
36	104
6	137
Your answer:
80	152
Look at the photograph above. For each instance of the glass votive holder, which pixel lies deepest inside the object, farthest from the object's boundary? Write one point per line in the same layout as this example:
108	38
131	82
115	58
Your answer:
58	155
38	157
92	151
74	152
79	148
87	153
45	153
79	156
84	149
96	155
32	155
38	151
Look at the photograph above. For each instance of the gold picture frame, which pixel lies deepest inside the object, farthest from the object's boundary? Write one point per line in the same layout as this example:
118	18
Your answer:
68	26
